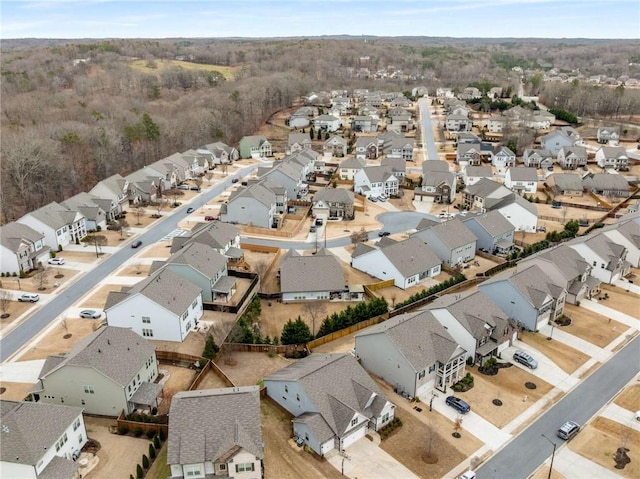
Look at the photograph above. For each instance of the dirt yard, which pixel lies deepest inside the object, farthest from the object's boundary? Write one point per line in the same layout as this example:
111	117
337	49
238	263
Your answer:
80	256
599	441
161	249
139	269
567	358
55	342
14	309
592	327
212	381
247	369
507	386
543	473
99	296
118	455
341	345
32	283
15	391
629	398
621	300
193	344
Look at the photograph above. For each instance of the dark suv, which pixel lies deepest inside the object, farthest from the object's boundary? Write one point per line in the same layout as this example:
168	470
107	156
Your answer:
458	404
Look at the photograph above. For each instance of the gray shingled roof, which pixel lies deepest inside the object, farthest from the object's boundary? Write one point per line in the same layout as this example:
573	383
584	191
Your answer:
411	256
207	424
200	257
532	283
434	165
485	187
493	222
253	141
30	428
319	272
377	174
566	181
316	424
566	259
12	234
517	199
396	164
605	181
353	163
523	173
212	233
115	183
454	233
478	171
299	138
118	353
54	215
334	195
419	337
614	152
336	385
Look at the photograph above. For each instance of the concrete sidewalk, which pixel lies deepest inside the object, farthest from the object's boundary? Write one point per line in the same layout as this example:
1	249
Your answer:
600	308
21	372
627	286
573	465
547	370
621	415
576	342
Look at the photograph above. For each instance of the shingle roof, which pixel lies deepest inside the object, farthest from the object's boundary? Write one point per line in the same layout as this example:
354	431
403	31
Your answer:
453	233
485	187
12	234
493	222
532	283
353	162
517	199
478	171
434	165
523	173
206	424
411	256
319	272
418	336
606	181
115	183
336	385
200	257
434	178
334	195
54	215
567	181
118	353
298	138
614	152
213	233
377	174
253	141
29	429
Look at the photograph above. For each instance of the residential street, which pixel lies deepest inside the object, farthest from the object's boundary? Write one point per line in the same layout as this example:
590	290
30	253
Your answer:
427	130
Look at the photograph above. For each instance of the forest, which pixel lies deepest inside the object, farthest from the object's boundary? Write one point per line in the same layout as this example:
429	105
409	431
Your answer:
76	112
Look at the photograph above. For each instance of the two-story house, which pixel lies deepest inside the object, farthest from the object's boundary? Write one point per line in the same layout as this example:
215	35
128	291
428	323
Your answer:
327	123
399	147
522	180
612	157
255	146
484	194
374	181
570	158
537	158
222	153
93	210
473	174
366	148
468	154
455	123
438	183
607	258
555	141
502	158
142	187
495	234
59	226
400	120
21	248
298	142
114	188
451	241
608	136
221	237
254	204
333	400
333	203
336	145
349	167
364	124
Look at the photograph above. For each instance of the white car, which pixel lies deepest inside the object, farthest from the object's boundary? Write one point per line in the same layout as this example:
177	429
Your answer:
56	261
29	298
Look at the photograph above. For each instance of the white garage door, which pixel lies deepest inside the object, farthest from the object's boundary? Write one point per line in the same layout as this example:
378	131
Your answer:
354	435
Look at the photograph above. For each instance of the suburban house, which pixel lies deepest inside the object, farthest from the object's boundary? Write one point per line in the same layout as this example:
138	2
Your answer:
444	93
201	158
406	262
374	181
297	142
451	241
327	282
333	203
459	110
465	137
222	237
625	232
610	185
494	232
164	306
478	325
398	166
366	148
255	146
297	120
570	158
164	171
503	158
143	188
349	167
326	123
473	174
203	267
254	204
522	214
291	174
438	183
538	120
555	141
455	123
364	124
567	269
21	248
537	158
568	184
369	110
223	153
333	400
59	226
528	296
607	258
608	136
412	352
336	145
40	440
114	188
95	214
468	154
111	370
484	194
399	147
612	157
470	93
497	123
399	120
522	180
216	433
401	102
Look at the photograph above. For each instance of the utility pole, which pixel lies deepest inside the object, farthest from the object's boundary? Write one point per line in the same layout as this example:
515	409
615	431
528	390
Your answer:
553	454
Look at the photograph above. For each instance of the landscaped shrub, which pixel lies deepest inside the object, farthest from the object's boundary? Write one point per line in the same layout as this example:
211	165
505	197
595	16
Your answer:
352	315
464	384
386	431
123	429
152	451
150	433
139	472
145	461
425	293
137	431
163	435
156	442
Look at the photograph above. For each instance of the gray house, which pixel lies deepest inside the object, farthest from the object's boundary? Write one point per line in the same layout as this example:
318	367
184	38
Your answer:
336	145
572	157
529	296
494	232
412	352
334	203
451	241
537	158
333	400
222	237
111	370
216	432
298	141
255	205
606	184
114	188
556	140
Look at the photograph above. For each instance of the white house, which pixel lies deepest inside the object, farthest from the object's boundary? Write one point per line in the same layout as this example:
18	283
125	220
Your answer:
537	158
59	226
608	259
612	157
608	136
374	181
21	248
451	241
349	167
163	306
522	180
502	158
326	123
473	174
570	158
522	214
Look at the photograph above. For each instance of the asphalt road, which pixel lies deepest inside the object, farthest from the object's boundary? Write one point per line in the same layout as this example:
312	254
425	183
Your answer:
523	455
427	130
34	324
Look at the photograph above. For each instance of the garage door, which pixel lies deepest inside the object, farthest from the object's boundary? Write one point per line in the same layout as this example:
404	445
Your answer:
354	435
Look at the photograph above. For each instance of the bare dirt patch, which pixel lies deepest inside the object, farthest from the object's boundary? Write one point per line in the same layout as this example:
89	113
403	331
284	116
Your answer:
509	387
99	297
32	284
599	441
80	256
161	249
341	345
15	310
15	391
621	300
193	344
567	358
212	381
55	343
180	379
629	398
592	327
247	369
543	473
140	270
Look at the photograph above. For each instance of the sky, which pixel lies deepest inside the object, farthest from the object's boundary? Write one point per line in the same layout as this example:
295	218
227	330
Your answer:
309	18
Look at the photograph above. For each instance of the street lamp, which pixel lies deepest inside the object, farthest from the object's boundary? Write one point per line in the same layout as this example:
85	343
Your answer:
553	454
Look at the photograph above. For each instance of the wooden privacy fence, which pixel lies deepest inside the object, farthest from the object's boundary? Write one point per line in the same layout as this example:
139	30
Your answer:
175	357
256	348
346	331
121	422
259	248
381	285
268	232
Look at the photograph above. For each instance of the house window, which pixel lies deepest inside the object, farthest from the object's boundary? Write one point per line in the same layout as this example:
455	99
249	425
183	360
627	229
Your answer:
76	424
82	402
192	471
354	421
432	368
297	397
80	439
286	388
245	467
89	390
146	319
222	467
147	333
421	374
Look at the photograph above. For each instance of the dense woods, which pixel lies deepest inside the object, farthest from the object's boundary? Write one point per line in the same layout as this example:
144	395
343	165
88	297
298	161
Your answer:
74	113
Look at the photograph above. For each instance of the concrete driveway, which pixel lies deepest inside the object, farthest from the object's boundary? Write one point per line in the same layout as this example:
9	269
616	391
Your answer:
364	459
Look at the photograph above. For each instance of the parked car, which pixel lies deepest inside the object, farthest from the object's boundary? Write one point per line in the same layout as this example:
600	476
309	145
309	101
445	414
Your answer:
525	359
136	244
29	298
468	475
183	187
568	430
234	180
382	198
542	229
90	313
319	221
190	210
56	261
312	229
194	188
458	404
383	233
373	199
210	218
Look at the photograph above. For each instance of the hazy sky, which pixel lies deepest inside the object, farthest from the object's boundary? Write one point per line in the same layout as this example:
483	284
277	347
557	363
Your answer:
277	18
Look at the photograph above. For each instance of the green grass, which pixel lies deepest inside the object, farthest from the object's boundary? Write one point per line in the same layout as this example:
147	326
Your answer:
141	66
160	469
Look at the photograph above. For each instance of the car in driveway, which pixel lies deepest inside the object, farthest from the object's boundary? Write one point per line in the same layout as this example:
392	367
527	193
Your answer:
90	313
56	261
29	298
183	187
383	233
136	244
234	180
190	210
568	430
210	218
458	404
525	359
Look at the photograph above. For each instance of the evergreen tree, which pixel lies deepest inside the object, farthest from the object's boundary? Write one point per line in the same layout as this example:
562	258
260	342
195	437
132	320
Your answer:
295	332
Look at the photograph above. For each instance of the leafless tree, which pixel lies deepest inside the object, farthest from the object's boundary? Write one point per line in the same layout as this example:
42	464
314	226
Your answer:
41	277
98	242
139	211
315	310
224	167
123	225
174	194
359	236
198	182
261	267
159	205
5	302
457	425
209	176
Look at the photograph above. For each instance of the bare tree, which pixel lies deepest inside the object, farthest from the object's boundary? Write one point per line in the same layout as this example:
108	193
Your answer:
159	205
98	241
209	176
174	194
139	211
41	277
198	182
122	225
457	425
224	167
315	310
5	302
261	267
359	236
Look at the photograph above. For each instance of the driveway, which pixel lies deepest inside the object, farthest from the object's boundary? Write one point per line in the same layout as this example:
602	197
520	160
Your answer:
547	370
364	459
